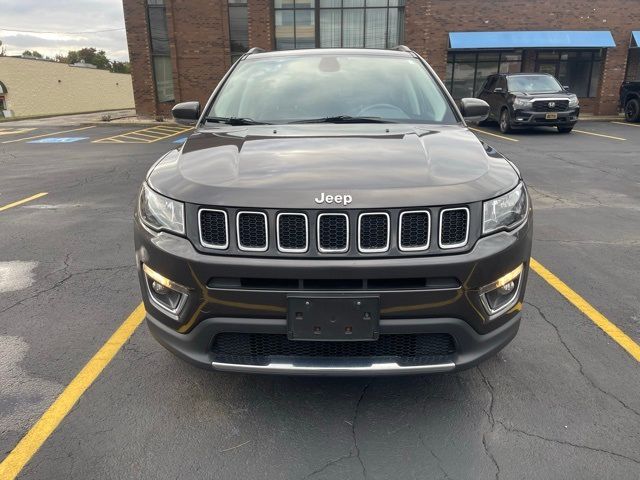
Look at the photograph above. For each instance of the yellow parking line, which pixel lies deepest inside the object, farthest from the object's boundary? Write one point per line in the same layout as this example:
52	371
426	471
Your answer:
49	134
20	202
493	134
155	134
599	135
585	307
26	448
145	134
15	132
627	124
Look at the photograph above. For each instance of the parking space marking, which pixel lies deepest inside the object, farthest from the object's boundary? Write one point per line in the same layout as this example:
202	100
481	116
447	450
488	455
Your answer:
146	135
599	135
27	447
585	307
493	134
628	124
24	200
48	134
14	131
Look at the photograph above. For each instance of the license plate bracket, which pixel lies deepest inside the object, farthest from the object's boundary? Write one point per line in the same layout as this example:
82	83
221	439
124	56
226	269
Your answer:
333	318
551	116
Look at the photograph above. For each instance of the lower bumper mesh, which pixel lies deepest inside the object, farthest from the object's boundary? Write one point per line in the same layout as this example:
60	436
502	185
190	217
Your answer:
262	349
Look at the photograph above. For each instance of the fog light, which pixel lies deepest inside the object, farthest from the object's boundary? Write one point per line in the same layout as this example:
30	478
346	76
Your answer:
499	296
165	294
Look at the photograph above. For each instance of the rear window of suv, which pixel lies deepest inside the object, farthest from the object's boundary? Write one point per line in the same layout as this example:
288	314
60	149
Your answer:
285	89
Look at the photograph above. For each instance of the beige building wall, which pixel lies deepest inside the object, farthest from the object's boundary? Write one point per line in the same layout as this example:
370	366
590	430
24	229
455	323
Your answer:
37	87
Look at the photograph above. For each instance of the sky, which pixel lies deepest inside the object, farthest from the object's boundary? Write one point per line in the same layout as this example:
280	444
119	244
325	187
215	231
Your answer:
20	19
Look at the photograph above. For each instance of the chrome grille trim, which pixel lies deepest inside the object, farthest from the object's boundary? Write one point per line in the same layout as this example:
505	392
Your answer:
226	226
466	238
419	248
329	250
266	232
374	250
306	231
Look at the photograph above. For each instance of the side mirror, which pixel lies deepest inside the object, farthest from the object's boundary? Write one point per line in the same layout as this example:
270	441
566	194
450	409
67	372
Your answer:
497	90
186	113
474	109
566	88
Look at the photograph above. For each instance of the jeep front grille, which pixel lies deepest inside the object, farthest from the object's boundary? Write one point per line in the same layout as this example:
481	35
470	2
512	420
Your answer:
252	231
318	233
454	227
415	230
333	232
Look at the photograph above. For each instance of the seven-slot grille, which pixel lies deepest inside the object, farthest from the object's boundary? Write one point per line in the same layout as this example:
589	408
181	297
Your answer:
454	227
252	231
415	230
550	105
293	232
329	232
373	232
333	232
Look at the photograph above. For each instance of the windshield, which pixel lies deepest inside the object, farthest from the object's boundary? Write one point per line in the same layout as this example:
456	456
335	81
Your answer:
298	88
533	84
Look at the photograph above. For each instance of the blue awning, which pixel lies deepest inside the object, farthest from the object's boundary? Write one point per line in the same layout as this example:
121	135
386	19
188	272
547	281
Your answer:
532	39
635	39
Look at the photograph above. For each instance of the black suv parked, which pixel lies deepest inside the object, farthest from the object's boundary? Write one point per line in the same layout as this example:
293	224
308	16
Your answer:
333	214
630	101
530	100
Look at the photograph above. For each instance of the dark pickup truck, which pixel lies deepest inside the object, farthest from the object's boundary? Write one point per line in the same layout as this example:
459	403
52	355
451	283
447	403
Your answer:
630	100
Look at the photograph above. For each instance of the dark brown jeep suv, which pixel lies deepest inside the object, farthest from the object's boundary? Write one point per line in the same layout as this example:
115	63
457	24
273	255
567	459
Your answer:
332	214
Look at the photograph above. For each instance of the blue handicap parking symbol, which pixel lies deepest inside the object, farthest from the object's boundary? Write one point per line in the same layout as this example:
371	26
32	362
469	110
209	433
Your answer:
180	140
59	140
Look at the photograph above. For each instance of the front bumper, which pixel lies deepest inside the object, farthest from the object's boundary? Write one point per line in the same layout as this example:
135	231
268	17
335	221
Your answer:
529	118
458	311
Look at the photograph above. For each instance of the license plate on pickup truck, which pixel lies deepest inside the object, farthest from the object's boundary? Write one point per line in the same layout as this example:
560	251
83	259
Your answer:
325	318
551	116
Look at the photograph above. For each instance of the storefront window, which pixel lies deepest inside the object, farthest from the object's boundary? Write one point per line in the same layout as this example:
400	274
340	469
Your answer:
467	71
578	69
338	23
238	28
162	68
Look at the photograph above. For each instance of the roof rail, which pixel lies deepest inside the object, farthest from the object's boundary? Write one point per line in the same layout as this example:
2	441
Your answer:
402	48
255	50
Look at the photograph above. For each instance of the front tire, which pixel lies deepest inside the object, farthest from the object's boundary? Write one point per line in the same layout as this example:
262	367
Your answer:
565	129
632	110
505	121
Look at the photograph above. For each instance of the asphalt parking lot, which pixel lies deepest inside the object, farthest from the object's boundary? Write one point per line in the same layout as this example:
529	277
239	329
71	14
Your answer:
561	401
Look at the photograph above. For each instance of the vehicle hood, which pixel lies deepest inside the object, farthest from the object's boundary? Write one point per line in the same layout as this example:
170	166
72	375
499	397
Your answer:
379	165
561	95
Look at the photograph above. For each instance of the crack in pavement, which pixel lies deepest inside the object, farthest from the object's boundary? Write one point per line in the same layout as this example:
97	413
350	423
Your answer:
354	451
566	443
492	422
579	363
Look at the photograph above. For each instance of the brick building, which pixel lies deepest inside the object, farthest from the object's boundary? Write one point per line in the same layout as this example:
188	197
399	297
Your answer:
180	49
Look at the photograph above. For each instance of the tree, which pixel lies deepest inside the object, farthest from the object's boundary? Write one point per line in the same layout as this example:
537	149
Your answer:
89	55
120	67
3	50
34	54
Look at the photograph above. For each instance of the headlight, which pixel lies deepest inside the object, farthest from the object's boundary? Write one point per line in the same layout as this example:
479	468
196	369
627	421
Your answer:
521	102
161	213
505	211
573	101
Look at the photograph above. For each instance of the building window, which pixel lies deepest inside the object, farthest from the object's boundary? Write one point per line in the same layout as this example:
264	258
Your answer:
162	67
467	71
578	69
238	28
338	23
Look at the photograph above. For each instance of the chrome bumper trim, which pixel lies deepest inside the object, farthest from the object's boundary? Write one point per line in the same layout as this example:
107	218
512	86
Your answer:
374	369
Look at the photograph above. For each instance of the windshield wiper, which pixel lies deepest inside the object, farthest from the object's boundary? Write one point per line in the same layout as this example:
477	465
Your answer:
344	119
235	121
